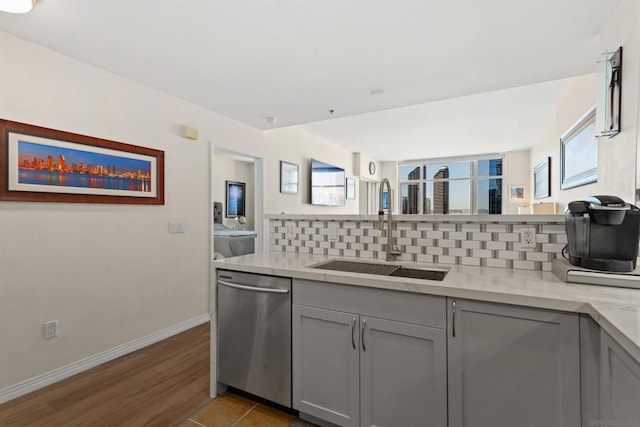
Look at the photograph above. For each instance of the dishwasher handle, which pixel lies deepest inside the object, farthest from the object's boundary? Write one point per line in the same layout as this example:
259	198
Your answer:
253	288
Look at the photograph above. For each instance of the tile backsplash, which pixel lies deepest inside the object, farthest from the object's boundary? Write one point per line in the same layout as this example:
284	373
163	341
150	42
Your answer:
477	242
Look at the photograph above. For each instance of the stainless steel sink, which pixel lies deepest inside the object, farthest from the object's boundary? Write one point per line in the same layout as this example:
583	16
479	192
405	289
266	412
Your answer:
383	269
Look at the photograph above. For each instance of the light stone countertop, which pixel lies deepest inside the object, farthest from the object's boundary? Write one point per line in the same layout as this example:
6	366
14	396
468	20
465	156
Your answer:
481	218
617	310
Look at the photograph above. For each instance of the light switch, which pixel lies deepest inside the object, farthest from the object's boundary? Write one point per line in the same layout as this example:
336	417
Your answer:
177	227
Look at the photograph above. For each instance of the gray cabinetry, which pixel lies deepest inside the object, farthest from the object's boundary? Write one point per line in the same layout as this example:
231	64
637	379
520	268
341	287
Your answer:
589	371
610	379
402	374
619	385
353	369
512	366
326	364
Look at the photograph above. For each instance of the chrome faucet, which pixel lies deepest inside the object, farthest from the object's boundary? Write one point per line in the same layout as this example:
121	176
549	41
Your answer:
391	251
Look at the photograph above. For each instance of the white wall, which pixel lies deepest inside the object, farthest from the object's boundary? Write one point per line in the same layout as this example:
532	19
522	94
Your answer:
295	145
577	98
516	173
617	155
617	158
361	162
228	169
108	273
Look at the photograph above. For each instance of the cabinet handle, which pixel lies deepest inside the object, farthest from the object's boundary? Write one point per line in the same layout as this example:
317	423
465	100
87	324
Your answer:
353	328
364	325
453	323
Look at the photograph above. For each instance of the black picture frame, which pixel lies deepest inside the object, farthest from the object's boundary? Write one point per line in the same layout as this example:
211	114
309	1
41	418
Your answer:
235	195
542	179
289	174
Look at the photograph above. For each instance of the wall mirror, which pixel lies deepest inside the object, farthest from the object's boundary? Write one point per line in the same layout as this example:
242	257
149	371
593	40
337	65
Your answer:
579	152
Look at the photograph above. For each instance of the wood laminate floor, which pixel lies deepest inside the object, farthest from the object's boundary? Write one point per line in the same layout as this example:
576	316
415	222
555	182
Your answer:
165	384
159	385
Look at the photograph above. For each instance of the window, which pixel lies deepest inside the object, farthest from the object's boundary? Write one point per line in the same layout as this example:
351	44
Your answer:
451	186
579	153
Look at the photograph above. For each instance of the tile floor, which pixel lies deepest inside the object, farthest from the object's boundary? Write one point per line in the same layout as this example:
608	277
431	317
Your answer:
230	410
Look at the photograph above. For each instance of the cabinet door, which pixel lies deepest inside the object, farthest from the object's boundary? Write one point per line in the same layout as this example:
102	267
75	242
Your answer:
403	374
326	364
512	366
620	385
590	349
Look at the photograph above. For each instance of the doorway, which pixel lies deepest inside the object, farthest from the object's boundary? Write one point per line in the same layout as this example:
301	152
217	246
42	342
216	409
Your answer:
240	169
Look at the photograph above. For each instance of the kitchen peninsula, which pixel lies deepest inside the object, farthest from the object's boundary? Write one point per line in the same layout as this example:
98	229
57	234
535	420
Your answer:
587	336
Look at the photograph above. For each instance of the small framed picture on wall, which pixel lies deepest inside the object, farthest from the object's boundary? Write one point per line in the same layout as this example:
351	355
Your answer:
542	179
288	178
516	194
235	199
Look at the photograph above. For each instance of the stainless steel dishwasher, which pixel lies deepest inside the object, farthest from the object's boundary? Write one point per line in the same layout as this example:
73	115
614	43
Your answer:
254	334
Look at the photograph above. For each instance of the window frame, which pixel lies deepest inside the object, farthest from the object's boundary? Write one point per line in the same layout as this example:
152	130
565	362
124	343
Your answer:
473	178
586	176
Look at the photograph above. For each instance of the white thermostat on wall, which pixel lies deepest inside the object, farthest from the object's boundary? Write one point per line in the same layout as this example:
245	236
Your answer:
372	168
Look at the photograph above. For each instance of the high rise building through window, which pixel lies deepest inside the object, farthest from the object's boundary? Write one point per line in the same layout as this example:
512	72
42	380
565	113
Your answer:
452	186
441	191
410	202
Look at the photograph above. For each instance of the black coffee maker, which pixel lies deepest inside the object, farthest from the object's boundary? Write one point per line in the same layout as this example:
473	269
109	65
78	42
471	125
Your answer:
602	233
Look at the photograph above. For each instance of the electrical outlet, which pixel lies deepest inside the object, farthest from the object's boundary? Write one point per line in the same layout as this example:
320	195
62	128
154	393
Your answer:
528	238
50	329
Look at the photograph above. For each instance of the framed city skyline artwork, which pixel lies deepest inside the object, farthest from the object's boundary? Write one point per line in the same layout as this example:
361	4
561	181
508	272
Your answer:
47	165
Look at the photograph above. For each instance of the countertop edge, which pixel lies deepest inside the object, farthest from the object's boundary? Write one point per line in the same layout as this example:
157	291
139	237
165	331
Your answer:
444	289
506	218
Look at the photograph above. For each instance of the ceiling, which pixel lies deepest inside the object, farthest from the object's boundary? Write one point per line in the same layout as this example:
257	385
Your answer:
490	122
296	60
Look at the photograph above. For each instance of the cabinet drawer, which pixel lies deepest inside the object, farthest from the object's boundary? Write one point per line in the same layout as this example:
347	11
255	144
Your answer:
427	310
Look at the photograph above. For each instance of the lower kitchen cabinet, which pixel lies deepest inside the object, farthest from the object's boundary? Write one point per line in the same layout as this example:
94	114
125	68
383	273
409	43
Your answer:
356	370
619	385
403	378
590	371
326	363
512	366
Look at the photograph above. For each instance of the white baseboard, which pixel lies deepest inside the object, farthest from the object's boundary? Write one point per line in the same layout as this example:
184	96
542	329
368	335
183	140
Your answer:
58	374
